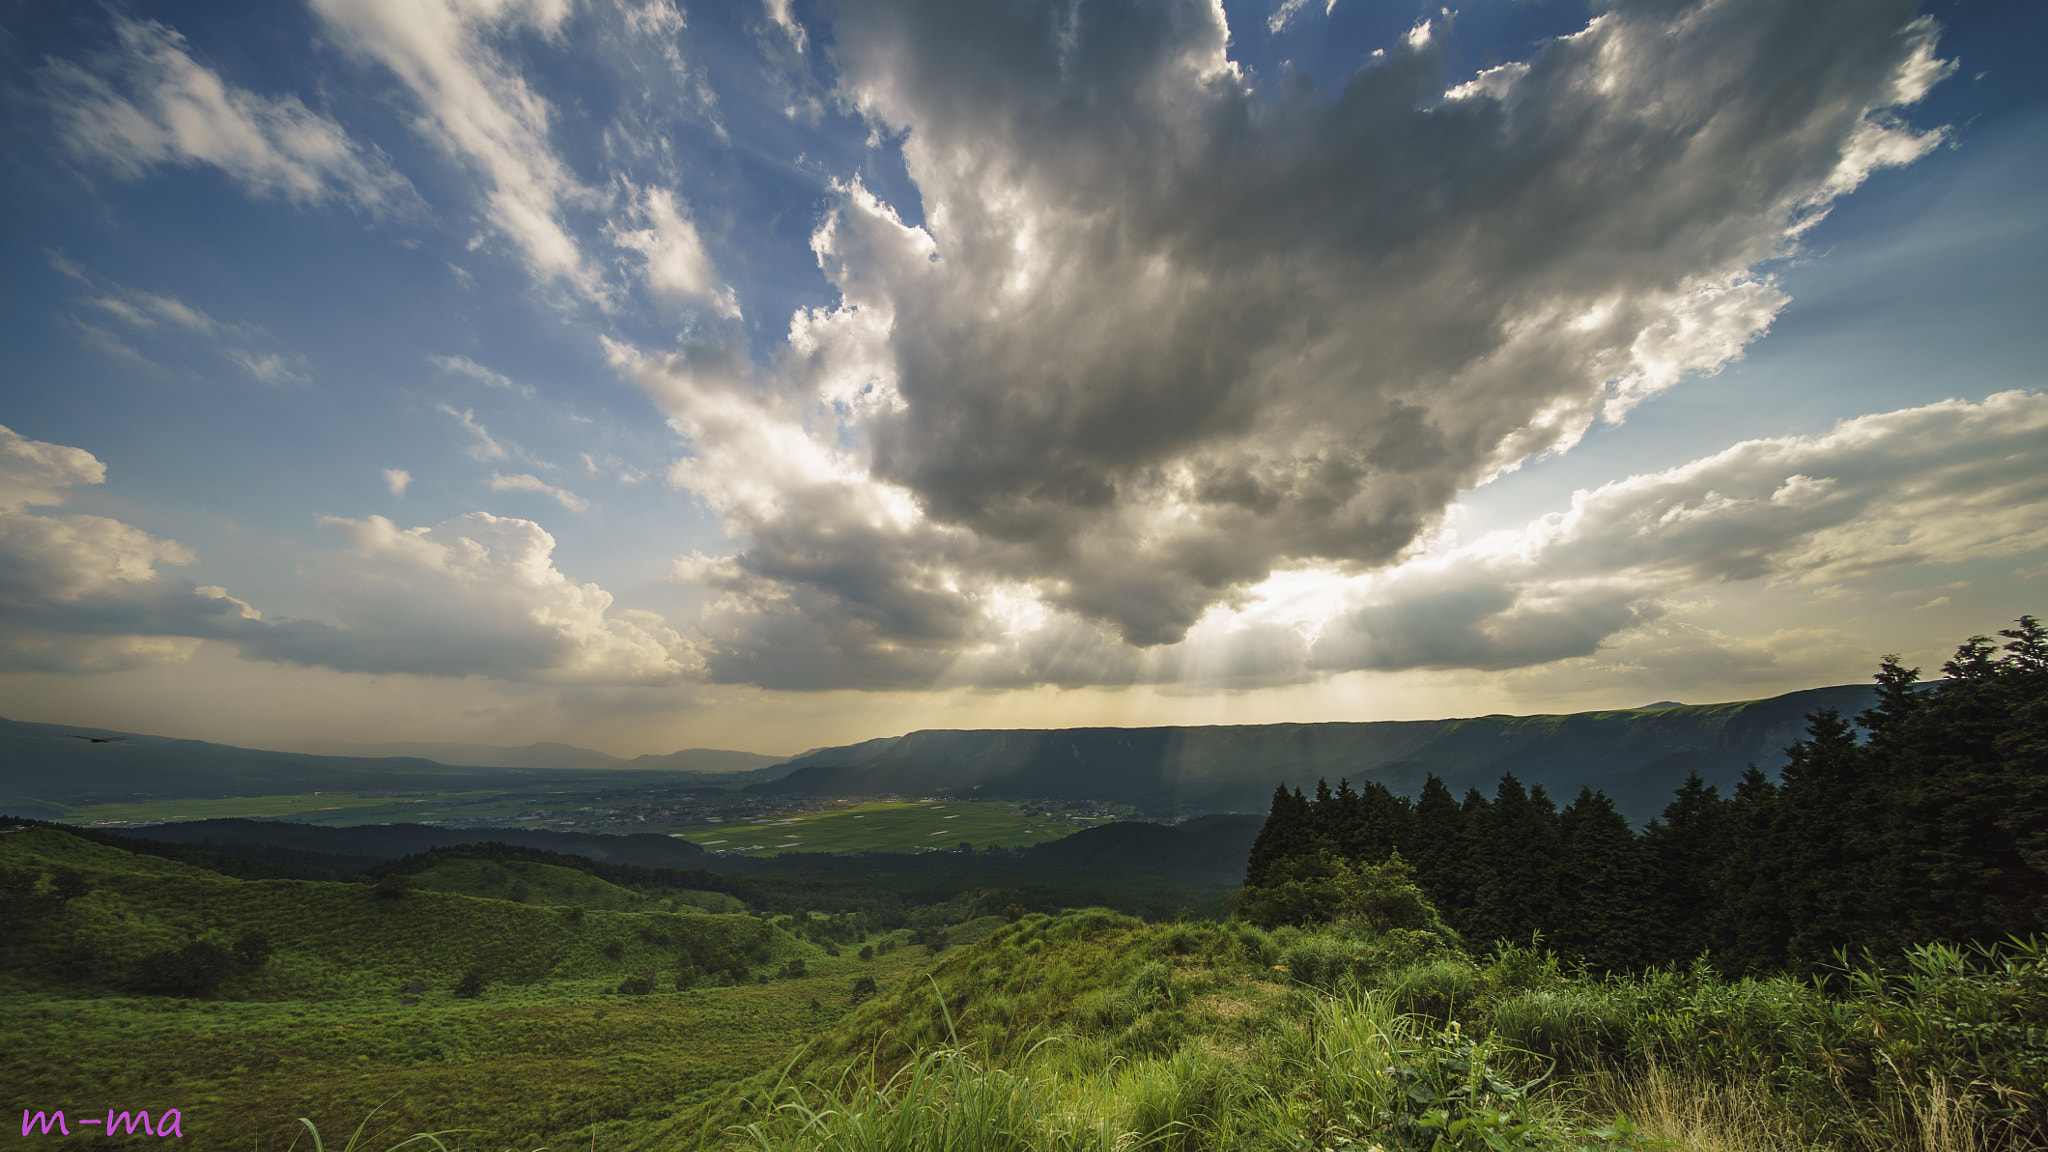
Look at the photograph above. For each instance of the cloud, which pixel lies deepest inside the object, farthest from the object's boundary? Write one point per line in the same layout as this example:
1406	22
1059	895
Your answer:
32	472
1943	484
163	315
1160	338
478	594
85	593
464	366
525	483
483	446
676	265
1289	9
480	110
148	103
397	479
778	12
475	595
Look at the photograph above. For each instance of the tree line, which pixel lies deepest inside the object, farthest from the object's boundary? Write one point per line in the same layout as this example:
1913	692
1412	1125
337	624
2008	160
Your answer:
1923	820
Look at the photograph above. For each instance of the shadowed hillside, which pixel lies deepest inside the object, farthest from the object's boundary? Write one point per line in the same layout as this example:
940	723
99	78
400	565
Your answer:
1637	756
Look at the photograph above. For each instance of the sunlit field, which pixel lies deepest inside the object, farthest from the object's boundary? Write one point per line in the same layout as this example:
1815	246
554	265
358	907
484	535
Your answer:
895	826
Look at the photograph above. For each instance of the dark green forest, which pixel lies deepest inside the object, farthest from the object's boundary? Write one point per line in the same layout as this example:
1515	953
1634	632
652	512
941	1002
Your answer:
1924	820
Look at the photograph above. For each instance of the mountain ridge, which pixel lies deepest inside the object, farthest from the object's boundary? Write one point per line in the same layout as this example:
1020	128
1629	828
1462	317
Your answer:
1638	756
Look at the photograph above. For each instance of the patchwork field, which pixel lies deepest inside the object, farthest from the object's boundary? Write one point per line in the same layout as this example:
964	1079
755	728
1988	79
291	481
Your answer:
895	826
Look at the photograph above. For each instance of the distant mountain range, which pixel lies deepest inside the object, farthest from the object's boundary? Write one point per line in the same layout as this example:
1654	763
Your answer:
545	755
1637	756
44	767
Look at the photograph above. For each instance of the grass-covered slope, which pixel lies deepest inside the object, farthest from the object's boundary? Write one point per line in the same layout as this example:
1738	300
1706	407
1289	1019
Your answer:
135	981
1091	1030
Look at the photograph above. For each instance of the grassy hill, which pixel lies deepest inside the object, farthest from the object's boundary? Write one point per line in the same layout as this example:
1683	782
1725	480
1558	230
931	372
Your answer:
1095	1031
104	996
452	1005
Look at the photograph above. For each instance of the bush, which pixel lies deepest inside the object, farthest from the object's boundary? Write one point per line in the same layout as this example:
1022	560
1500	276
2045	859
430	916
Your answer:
394	886
194	970
472	984
794	970
68	884
639	985
615	950
867	951
863	988
253	949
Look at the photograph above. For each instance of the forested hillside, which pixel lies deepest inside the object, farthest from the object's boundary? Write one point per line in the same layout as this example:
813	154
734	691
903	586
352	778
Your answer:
1925	820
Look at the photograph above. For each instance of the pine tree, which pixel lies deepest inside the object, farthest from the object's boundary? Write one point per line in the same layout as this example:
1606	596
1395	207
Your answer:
1823	841
1681	850
1748	922
1286	834
1606	905
1437	847
1515	853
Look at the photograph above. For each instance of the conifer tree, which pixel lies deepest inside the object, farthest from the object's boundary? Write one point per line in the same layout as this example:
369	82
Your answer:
1285	835
1515	857
1681	850
1822	841
1606	906
1749	924
1437	846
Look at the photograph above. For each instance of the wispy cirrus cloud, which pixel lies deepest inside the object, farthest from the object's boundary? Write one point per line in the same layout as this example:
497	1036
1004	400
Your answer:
479	109
523	482
159	314
147	102
464	366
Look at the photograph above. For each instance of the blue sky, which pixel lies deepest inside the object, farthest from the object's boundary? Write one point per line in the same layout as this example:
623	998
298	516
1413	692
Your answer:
771	374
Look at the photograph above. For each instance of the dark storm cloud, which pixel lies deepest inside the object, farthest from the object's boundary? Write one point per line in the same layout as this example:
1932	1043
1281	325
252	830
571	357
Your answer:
1161	336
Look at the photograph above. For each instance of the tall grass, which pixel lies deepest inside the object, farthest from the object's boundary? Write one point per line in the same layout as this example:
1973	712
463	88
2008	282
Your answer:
1096	1031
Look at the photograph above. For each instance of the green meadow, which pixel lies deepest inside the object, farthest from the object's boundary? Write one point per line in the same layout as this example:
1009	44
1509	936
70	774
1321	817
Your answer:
892	826
510	1004
123	984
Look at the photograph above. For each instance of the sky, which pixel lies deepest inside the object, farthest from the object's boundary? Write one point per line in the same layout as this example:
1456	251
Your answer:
772	374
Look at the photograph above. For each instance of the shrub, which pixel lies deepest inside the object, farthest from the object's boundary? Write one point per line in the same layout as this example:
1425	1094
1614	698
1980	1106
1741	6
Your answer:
639	985
472	984
615	950
253	949
194	970
393	886
68	884
867	951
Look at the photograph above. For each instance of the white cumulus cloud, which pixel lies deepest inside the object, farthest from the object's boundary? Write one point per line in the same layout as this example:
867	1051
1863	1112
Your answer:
478	594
